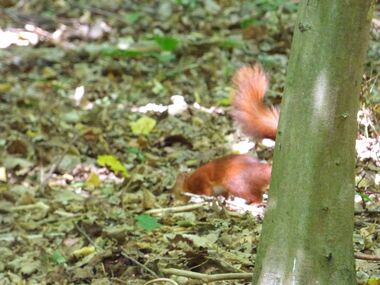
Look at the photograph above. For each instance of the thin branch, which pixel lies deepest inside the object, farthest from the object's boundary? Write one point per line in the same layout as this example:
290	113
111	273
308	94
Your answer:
125	254
177	209
367	257
14	237
118	280
161	280
207	277
83	233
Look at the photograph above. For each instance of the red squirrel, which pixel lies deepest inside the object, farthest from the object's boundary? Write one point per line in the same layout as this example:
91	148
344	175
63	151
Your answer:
239	175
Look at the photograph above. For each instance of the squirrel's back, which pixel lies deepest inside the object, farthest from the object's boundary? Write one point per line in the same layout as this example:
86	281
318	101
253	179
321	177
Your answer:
239	175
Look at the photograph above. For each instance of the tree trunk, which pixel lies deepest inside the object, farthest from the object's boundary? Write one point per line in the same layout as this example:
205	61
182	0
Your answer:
308	226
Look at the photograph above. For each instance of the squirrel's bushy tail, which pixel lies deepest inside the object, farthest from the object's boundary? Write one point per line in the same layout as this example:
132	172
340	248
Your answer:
255	118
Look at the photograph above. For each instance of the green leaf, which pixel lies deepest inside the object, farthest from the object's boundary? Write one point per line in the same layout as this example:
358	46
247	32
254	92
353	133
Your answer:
136	151
250	21
112	163
270	5
165	56
373	281
188	3
143	126
93	181
132	18
11	162
68	163
66	196
147	222
57	257
231	43
116	52
71	117
5	87
224	101
166	43
30	267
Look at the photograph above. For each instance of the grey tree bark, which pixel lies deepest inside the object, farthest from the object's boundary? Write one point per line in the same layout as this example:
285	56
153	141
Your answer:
308	226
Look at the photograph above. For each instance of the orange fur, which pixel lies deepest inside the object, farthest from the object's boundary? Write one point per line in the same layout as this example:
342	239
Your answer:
250	112
239	175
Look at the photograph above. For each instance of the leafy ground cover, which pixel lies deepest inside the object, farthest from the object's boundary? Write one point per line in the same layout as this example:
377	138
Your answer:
103	103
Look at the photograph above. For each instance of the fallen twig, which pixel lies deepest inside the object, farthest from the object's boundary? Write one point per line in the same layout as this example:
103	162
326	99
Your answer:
161	280
125	254
82	232
177	209
367	257
207	277
14	237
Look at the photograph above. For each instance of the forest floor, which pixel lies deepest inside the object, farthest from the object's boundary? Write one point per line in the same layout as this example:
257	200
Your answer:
92	138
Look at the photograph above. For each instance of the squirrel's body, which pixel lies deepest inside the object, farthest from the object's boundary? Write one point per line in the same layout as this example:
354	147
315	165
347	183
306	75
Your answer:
239	175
